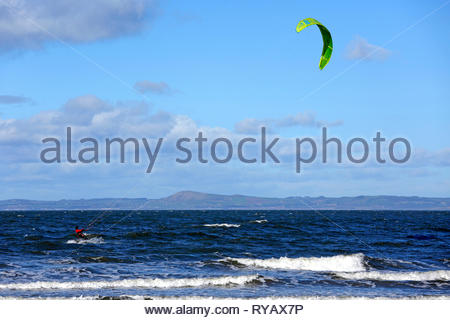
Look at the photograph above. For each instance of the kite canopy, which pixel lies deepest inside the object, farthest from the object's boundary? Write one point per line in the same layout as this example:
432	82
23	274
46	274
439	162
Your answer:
326	36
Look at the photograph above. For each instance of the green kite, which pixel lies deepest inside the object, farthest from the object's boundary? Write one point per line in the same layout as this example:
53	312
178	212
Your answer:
326	36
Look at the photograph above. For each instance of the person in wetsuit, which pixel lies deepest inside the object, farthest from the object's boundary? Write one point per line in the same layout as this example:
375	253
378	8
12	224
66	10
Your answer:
79	233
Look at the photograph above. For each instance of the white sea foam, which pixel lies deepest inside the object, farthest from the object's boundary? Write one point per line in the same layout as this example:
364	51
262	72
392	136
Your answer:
95	240
344	263
226	225
259	221
135	283
438	275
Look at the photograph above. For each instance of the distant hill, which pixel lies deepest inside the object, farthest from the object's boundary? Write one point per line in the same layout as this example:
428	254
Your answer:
189	200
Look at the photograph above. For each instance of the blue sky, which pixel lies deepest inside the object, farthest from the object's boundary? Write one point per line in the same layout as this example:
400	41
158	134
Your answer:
225	62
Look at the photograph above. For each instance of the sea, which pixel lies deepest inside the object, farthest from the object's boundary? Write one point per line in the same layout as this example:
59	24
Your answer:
225	254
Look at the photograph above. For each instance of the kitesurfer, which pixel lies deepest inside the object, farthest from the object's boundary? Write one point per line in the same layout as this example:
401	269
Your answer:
79	233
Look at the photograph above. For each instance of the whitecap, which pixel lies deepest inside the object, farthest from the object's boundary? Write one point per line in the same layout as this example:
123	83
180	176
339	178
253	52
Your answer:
259	221
345	263
137	283
437	275
226	225
96	240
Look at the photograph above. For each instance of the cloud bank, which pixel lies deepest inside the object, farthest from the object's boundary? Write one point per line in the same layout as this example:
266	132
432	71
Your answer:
89	116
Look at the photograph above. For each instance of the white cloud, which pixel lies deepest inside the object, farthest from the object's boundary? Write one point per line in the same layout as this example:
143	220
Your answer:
87	115
305	119
251	126
10	99
29	24
360	48
146	86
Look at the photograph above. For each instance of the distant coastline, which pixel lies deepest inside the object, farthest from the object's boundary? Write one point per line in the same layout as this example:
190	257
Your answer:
189	200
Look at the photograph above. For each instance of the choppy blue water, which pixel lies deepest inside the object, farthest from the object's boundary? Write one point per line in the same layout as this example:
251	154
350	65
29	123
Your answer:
239	254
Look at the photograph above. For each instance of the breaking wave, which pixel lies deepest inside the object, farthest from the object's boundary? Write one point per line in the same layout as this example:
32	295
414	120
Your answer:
95	240
226	225
438	275
259	221
339	263
138	283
